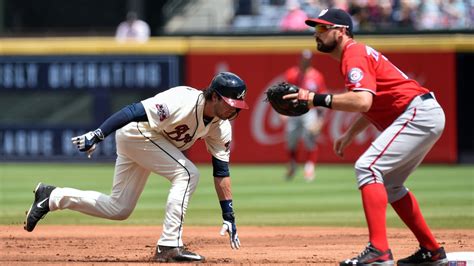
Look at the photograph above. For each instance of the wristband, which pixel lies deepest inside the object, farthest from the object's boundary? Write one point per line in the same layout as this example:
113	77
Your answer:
98	133
229	217
227	210
324	100
226	206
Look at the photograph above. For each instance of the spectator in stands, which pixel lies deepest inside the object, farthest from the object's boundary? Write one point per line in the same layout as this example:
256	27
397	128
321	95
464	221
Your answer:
312	8
133	29
384	19
373	15
294	18
456	14
404	14
429	15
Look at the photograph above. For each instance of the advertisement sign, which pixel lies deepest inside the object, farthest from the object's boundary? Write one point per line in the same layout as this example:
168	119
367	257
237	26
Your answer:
44	144
88	72
49	99
258	133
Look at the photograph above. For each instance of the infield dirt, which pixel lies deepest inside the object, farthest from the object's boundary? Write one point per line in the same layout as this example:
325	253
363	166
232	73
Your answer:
134	245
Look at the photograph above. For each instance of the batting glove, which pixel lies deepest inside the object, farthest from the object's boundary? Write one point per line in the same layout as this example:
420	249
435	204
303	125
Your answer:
229	227
87	141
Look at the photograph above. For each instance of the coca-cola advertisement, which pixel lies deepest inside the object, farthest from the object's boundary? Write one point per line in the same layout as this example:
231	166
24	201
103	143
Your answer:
259	133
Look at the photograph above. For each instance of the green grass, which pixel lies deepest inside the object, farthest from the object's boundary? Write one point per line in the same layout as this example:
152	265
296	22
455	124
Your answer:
261	195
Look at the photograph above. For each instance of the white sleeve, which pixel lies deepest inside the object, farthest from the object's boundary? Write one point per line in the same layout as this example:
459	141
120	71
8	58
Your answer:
218	140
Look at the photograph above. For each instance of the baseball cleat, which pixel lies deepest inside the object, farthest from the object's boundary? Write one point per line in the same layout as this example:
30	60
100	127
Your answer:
175	254
309	172
40	206
370	256
425	257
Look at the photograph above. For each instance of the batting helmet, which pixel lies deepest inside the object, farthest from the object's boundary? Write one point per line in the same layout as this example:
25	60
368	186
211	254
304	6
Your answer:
231	88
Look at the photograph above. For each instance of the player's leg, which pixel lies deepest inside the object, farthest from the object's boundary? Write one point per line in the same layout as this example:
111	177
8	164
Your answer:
293	133
381	157
374	201
407	139
164	159
405	204
129	181
310	133
423	132
172	164
403	146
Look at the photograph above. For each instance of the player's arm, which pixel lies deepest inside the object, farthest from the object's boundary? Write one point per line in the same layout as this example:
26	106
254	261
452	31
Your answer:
345	139
223	188
133	112
351	101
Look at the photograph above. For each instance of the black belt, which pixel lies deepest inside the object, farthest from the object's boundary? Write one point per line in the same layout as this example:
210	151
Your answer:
426	96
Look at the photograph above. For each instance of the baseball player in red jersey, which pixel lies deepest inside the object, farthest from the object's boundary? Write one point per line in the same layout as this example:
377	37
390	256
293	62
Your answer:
306	126
150	137
410	120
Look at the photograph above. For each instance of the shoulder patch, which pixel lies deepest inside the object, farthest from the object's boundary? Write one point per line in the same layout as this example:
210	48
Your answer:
162	111
355	75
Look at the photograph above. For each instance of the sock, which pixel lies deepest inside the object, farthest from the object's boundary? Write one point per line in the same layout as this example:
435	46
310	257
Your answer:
374	200
312	156
409	211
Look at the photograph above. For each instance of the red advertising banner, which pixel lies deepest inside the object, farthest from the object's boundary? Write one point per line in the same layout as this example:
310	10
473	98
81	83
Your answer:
258	133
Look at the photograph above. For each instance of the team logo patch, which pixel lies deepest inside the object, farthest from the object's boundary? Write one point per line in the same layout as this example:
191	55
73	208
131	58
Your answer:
241	96
324	11
162	111
355	75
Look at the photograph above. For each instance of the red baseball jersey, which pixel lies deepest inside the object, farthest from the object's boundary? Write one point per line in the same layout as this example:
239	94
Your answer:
366	69
311	80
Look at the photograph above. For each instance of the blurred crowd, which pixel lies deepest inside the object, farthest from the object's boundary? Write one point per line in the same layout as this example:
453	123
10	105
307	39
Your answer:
368	15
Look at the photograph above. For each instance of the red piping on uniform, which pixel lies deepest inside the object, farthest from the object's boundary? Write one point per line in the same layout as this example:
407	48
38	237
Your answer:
386	147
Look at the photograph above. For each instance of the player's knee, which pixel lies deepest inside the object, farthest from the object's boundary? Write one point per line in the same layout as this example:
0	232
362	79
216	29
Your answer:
395	193
194	178
367	173
121	214
362	168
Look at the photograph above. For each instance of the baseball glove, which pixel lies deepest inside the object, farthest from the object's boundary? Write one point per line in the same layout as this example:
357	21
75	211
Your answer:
288	107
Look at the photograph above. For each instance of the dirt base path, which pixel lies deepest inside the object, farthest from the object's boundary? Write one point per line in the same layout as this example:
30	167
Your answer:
127	245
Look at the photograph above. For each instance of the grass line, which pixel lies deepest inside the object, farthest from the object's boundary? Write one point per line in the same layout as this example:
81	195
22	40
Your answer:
261	195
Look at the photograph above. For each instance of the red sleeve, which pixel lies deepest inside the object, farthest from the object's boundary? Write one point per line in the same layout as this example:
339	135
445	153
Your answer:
359	73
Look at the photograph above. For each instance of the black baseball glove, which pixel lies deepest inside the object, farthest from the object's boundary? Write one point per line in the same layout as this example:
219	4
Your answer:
288	107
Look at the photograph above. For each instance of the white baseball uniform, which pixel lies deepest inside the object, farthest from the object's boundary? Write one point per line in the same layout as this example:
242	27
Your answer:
175	122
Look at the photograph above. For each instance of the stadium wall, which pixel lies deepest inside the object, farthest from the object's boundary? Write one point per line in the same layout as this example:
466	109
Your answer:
54	88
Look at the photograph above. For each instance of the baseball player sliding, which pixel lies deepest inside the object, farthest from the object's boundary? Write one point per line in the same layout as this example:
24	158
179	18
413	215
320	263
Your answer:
410	120
150	137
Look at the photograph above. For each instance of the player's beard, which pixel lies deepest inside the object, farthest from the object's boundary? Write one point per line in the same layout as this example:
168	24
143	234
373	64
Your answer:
326	47
223	115
231	116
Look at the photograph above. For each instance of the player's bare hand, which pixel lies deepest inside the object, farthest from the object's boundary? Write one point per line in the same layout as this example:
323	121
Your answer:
229	226
341	143
291	96
302	96
87	142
